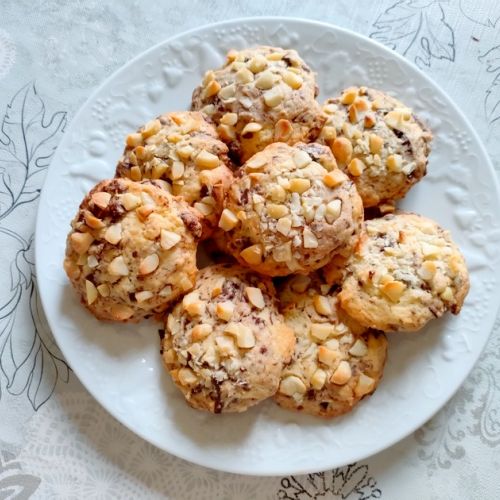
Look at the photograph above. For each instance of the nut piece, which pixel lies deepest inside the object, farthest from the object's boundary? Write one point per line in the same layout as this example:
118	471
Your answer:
282	130
134	140
228	220
192	304
322	305
211	89
130	201
113	234
143	296
327	356
301	159
376	142
117	267
358	349
101	199
255	296
245	338
264	81
187	377
151	128
364	386
394	163
250	128
393	290
135	173
121	312
322	331
334	178
292	80
252	254
224	310
277	211
273	97
428	270
342	374
342	149
310	240
229	119
333	210
91	291
257	64
356	167
168	239
204	159
104	290
318	379
80	242
244	76
349	95
292	385
299	185
149	264
200	332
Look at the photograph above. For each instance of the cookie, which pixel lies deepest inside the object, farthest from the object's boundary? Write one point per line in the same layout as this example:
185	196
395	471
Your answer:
131	250
183	149
405	271
336	362
290	210
225	343
261	95
378	142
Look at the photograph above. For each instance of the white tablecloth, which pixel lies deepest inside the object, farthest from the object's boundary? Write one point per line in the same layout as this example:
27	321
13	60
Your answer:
55	440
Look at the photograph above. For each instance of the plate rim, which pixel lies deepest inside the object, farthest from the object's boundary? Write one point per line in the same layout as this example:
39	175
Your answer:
201	459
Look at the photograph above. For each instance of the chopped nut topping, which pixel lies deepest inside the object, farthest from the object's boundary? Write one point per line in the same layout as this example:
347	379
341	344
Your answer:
277	211
334	178
328	133
359	349
80	242
283	253
349	95
121	312
394	163
333	210
204	159
299	185
428	269
145	211
217	289
135	173
273	97
376	142
130	201
252	254
204	209
224	310
322	331
322	305
277	193
292	80
187	377
327	356
227	92
101	199
185	152
149	264
342	149
318	379
244	76
364	386
250	128
134	140
169	356
257	64
356	167
245	338
200	332
91	291
264	81
255	296
192	304
393	290
369	121
143	296
226	132
282	130
92	261
117	267
292	385
168	239
342	374
229	119
151	128
211	89
113	234
228	220
92	221
177	170
310	240
104	290
447	294
301	159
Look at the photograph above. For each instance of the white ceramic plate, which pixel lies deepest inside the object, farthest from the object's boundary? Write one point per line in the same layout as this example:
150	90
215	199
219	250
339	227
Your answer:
121	366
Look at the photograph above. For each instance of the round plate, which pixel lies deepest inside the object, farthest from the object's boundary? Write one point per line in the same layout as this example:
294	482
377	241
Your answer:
121	366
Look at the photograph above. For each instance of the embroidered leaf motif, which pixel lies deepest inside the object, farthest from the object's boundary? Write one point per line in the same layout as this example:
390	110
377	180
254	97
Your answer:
29	359
417	29
28	138
492	98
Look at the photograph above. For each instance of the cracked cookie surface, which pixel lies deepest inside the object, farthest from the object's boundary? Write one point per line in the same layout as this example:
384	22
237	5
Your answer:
405	271
261	95
131	250
226	343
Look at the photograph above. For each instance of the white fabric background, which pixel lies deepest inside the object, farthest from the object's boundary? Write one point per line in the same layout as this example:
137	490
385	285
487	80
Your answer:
55	440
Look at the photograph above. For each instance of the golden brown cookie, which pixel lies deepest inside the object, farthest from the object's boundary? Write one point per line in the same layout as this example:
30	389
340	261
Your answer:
405	271
261	95
225	343
131	250
336	361
183	149
290	210
378	142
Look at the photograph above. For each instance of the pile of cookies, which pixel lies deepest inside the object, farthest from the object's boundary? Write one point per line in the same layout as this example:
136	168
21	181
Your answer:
299	199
